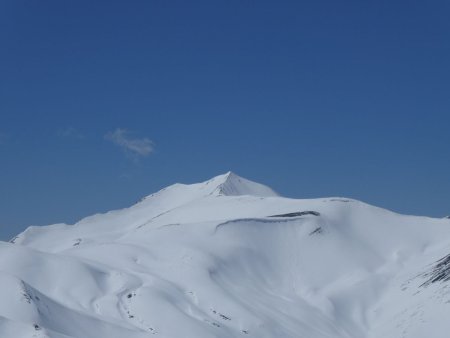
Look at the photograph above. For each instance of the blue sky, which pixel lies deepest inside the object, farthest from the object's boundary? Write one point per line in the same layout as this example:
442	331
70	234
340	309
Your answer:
103	102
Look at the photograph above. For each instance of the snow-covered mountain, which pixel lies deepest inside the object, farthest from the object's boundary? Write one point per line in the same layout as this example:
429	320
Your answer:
229	258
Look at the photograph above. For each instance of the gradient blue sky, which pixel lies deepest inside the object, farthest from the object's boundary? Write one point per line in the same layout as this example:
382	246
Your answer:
103	102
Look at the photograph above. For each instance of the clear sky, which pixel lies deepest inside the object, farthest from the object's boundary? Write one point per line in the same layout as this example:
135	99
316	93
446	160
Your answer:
103	102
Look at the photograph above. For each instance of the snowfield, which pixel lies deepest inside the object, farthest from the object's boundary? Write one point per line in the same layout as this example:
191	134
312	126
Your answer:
230	258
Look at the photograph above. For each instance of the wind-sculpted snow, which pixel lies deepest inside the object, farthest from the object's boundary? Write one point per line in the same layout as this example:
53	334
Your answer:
229	258
298	213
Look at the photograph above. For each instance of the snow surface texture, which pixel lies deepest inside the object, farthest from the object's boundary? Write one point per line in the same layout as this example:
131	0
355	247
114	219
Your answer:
229	258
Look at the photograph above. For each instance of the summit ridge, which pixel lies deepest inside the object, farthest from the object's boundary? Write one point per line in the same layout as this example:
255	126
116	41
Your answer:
231	184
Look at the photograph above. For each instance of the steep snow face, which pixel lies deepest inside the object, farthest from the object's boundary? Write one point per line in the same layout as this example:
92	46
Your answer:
229	258
232	185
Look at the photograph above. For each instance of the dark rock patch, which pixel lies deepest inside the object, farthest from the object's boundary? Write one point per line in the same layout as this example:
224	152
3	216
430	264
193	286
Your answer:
340	200
221	315
439	273
316	231
299	213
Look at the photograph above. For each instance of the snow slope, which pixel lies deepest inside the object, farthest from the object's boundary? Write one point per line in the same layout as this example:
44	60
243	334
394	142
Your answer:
229	258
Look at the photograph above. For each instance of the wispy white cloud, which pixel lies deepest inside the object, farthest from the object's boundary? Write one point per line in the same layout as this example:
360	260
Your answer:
136	147
71	132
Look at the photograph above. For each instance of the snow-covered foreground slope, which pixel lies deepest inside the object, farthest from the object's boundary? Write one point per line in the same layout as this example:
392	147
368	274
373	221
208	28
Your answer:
229	258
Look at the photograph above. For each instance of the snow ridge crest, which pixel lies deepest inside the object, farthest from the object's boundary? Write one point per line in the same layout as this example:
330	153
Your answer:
230	184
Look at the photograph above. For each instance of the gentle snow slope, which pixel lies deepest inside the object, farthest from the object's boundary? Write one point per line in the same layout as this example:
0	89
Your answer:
229	258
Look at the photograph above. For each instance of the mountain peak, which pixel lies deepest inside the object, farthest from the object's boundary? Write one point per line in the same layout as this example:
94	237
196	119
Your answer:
230	184
304	268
